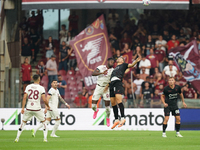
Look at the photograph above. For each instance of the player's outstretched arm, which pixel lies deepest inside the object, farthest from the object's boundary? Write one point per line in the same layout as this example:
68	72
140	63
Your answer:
163	100
134	63
45	101
182	98
63	101
24	102
97	72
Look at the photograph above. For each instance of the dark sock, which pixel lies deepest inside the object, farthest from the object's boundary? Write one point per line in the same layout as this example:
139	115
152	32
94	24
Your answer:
121	107
177	127
115	111
164	127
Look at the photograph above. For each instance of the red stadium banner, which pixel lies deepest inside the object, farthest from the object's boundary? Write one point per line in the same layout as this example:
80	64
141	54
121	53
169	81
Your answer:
187	59
128	59
195	1
92	49
103	4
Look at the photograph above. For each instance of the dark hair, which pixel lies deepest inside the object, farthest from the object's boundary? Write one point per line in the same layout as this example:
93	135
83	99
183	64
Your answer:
36	77
171	77
63	25
53	80
51	42
143	56
59	75
111	58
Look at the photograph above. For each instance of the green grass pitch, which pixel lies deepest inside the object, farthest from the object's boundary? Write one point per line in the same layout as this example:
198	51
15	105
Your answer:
101	140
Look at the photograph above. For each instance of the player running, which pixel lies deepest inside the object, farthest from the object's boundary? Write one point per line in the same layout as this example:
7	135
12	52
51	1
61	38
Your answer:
117	89
103	72
53	98
169	99
34	92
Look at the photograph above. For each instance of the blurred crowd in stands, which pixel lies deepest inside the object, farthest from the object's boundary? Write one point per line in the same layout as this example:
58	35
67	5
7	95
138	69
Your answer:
152	36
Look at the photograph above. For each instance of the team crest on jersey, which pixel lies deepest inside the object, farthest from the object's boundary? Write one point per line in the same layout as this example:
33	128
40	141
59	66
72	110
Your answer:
101	1
101	25
89	30
96	24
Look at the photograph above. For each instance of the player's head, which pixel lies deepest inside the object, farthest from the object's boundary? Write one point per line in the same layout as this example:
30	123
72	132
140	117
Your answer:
59	78
171	81
110	62
143	57
120	59
36	78
54	84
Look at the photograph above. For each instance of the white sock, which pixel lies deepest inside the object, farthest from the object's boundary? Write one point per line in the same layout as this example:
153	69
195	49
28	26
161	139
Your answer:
108	111
40	126
55	127
94	107
20	129
45	130
177	133
122	118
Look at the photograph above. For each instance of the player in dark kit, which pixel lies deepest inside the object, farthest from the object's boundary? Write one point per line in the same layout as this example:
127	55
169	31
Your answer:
117	90
169	99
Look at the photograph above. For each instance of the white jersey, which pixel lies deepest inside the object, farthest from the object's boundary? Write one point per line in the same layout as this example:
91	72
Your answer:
103	80
53	101
139	84
34	92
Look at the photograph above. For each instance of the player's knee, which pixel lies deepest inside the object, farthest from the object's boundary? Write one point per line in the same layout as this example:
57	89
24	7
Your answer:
58	122
166	119
113	103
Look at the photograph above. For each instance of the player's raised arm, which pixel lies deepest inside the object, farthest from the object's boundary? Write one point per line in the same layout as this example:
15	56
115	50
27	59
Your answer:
24	102
63	101
97	72
135	62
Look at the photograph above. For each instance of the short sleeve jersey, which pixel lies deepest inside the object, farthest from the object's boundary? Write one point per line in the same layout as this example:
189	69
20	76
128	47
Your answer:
34	92
171	95
147	93
119	71
104	79
53	101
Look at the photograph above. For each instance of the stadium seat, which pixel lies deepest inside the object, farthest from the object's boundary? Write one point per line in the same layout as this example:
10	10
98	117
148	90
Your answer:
62	73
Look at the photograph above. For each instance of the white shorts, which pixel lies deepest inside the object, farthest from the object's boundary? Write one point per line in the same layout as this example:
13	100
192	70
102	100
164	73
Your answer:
28	114
53	114
99	91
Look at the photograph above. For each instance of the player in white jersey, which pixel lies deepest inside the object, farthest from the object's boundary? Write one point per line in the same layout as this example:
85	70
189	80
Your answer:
103	72
34	92
53	98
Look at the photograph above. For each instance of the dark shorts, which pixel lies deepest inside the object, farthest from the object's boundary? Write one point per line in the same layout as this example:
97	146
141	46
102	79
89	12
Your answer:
175	111
116	87
26	82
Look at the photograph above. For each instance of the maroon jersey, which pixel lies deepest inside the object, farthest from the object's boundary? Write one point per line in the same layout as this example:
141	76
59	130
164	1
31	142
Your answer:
190	93
32	21
153	59
159	83
26	72
123	41
160	55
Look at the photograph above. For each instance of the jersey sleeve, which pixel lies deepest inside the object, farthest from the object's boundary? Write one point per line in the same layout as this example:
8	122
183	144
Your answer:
50	92
99	68
26	90
164	92
125	65
42	90
179	90
58	92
